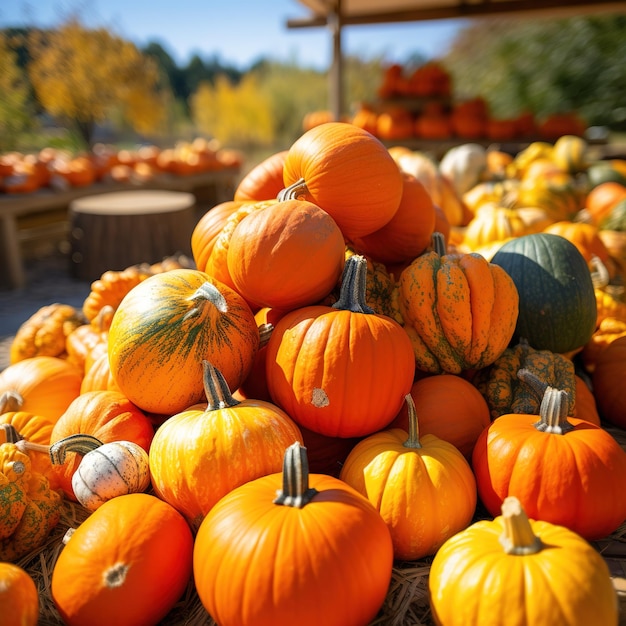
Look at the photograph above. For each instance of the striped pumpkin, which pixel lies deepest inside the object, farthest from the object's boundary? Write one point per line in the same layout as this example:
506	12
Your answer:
163	330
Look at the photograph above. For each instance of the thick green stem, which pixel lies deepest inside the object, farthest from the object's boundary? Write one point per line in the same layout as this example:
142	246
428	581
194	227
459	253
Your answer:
10	433
265	332
216	388
517	537
79	443
353	286
296	491
207	292
554	407
439	243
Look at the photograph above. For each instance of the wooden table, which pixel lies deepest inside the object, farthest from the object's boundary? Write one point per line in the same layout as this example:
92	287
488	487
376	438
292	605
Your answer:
113	231
26	216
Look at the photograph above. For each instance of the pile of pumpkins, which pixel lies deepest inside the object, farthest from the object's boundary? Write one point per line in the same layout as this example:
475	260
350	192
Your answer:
60	170
350	376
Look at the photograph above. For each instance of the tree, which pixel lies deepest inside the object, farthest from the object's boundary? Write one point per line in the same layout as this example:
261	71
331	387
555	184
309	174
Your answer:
233	114
545	66
14	109
83	76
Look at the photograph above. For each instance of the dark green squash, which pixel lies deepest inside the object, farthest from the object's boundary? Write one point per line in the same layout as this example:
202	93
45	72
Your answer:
557	304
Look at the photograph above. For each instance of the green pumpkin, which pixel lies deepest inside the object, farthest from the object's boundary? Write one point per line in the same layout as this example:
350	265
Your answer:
602	172
557	304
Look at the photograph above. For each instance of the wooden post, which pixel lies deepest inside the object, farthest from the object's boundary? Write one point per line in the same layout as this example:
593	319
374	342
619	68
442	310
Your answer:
336	70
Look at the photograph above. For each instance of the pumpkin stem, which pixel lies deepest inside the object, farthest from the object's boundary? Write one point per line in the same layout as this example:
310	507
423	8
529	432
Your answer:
11	401
206	292
553	412
599	273
517	536
438	243
353	286
295	191
296	491
10	433
80	443
414	440
216	388
265	332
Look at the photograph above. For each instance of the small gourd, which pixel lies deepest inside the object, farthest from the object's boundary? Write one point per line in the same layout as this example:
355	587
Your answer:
108	470
18	597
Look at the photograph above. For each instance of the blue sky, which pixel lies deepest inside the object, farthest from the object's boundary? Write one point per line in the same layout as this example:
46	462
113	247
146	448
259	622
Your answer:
236	31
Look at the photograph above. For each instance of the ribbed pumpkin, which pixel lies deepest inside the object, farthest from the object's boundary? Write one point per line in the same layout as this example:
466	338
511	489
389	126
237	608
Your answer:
98	377
562	469
341	371
88	337
264	181
106	415
207	230
347	172
163	330
512	570
409	231
43	385
459	310
128	563
18	597
229	441
449	407
557	303
422	486
289	255
262	549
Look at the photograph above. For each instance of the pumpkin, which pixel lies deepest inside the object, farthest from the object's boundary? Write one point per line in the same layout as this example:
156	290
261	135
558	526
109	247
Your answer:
459	310
264	181
18	597
464	165
29	508
557	304
347	172
570	153
561	468
601	199
111	288
449	407
128	563
44	332
556	193
412	481
230	441
248	544
512	570
608	380
394	123
163	330
409	231
106	415
289	255
43	385
207	230
507	389
107	470
98	376
616	218
340	370
87	337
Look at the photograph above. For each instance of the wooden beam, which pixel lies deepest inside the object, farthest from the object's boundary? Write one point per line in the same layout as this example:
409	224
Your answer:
466	10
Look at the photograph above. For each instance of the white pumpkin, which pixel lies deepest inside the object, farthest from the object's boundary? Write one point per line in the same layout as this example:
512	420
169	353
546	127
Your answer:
110	470
463	165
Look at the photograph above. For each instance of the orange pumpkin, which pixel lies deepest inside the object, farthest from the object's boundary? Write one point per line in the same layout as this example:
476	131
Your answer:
128	563
98	377
341	371
601	199
449	407
608	377
347	172
207	230
257	533
87	337
409	231
166	326
563	470
264	181
18	597
106	415
43	385
232	442
289	255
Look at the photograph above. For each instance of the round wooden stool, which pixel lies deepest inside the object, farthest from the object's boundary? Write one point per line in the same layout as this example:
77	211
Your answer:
112	231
